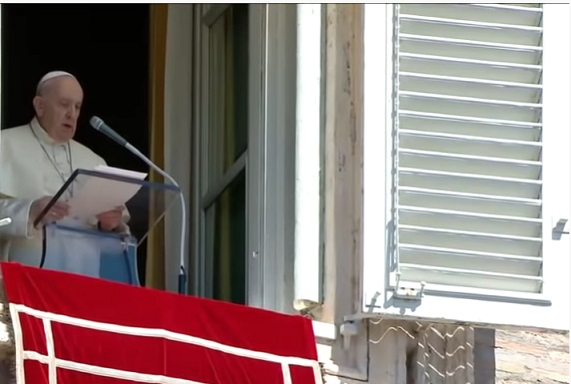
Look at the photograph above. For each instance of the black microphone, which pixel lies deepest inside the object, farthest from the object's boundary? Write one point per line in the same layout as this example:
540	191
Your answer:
100	126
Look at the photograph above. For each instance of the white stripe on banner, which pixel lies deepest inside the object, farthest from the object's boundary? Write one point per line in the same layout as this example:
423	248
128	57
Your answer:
164	334
19	344
50	346
54	363
317	373
107	372
286	374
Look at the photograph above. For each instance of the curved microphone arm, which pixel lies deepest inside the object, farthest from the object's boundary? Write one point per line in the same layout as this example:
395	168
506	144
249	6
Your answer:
182	272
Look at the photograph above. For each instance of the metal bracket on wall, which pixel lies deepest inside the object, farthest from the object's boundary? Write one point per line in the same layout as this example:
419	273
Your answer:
349	329
408	291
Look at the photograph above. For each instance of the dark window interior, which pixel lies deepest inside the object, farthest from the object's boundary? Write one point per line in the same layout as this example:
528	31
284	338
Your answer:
106	46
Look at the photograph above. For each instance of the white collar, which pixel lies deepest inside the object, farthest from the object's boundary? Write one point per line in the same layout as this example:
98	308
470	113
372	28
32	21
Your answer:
42	134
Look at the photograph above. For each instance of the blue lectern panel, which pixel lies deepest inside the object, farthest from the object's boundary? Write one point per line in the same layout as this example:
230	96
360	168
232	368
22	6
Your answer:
91	253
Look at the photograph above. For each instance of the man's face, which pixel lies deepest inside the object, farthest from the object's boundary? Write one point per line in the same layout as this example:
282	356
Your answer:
57	107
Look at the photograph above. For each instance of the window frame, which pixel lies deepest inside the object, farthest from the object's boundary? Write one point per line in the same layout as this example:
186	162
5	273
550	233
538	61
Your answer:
249	161
269	202
549	309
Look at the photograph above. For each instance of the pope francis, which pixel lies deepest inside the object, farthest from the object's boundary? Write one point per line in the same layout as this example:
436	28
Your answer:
36	159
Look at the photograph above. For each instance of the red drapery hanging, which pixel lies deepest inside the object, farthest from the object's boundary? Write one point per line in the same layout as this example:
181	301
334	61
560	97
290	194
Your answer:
74	329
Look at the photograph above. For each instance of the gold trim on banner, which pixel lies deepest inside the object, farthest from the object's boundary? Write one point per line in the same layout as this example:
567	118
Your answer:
155	266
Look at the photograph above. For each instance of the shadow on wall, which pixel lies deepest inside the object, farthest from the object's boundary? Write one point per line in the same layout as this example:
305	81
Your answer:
484	356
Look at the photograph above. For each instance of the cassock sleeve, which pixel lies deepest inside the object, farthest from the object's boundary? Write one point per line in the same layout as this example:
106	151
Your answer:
18	210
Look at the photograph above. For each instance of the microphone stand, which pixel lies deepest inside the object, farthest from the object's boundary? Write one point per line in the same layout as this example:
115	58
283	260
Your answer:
182	272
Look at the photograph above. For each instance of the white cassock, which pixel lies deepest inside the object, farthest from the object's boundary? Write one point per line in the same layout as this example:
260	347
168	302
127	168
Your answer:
32	165
17	210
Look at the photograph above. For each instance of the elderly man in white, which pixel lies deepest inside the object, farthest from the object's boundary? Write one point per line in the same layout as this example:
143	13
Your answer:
35	161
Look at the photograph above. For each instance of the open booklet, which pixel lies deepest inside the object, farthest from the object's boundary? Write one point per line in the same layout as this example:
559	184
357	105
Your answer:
96	194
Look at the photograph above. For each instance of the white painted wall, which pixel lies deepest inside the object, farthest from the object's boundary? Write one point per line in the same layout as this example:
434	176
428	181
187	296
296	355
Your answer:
308	156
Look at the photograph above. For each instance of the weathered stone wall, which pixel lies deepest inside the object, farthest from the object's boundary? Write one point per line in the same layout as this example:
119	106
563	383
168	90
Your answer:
532	357
521	357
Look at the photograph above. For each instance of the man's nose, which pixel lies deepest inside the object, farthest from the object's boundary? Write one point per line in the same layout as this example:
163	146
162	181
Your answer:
72	113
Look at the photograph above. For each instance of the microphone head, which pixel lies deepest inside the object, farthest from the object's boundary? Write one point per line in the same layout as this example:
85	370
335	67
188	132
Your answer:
96	122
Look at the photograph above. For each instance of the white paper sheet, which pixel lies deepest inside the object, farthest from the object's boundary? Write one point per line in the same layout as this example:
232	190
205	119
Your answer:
95	195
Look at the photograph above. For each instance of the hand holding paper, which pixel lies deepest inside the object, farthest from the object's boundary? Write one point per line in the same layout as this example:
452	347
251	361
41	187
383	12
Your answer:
110	220
98	195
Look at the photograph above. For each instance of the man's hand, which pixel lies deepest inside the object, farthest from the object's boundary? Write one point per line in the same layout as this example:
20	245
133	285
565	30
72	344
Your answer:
57	211
110	220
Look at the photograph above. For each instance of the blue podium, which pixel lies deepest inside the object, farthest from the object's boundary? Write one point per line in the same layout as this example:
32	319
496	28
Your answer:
77	245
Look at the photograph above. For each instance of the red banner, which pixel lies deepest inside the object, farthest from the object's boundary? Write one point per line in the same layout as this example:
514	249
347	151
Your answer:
73	329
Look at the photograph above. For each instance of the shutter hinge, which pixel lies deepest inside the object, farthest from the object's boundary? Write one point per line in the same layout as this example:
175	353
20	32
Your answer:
408	290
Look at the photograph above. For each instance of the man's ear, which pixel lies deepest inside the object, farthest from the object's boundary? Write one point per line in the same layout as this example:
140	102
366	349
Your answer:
38	105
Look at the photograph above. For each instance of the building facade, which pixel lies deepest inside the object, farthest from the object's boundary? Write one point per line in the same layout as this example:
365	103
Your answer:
397	172
400	173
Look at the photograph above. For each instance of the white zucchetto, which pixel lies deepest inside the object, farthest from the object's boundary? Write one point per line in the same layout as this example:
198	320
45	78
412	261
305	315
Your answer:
51	75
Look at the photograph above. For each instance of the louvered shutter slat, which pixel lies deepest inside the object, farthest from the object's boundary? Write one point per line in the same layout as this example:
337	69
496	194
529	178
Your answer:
519	57
470	221
470	87
469	202
477	165
428	103
464	125
471	145
470	30
461	259
468	183
470	68
468	140
473	278
468	241
489	13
